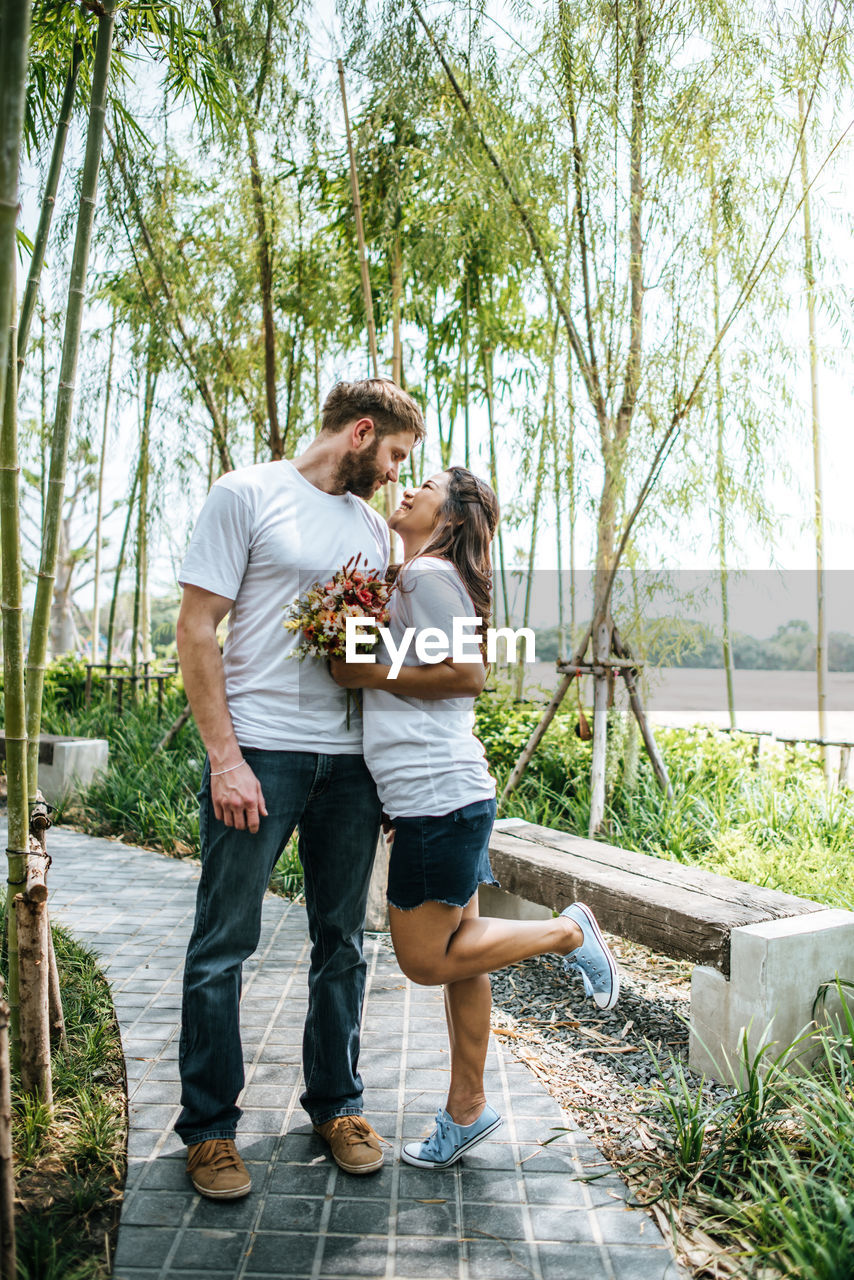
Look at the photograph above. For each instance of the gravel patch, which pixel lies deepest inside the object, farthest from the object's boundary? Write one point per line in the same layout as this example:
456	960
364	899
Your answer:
596	1063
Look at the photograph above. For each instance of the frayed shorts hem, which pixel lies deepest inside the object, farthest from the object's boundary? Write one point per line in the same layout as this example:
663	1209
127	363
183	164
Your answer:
443	902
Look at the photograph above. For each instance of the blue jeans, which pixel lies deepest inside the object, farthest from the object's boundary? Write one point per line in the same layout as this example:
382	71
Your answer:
333	802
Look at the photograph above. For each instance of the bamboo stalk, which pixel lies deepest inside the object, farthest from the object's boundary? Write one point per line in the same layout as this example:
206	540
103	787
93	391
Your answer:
120	564
31	290
720	478
17	843
96	604
65	396
31	918
821	667
8	1259
360	230
15	25
538	485
486	355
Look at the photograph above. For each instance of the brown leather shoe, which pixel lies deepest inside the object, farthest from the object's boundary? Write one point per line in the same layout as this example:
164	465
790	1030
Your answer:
354	1145
216	1170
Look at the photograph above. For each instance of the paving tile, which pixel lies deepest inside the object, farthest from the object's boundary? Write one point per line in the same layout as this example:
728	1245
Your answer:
352	1256
290	1213
301	1201
419	1218
209	1250
495	1260
367	1217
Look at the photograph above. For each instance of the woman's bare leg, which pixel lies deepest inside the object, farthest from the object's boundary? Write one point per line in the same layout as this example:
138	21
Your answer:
468	1004
439	945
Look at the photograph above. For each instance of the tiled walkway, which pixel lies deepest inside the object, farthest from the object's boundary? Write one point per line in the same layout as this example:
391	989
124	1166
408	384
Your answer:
512	1210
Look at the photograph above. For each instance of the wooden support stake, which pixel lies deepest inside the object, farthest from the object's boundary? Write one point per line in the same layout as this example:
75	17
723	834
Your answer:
36	887
56	1015
8	1260
536	737
844	760
174	729
656	759
31	925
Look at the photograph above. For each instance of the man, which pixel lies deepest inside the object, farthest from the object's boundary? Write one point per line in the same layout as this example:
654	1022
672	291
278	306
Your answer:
282	753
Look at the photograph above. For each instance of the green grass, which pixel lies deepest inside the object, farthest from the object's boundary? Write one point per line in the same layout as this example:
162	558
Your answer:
768	1171
70	1165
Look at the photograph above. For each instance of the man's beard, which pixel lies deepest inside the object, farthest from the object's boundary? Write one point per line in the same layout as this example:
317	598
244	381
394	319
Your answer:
357	472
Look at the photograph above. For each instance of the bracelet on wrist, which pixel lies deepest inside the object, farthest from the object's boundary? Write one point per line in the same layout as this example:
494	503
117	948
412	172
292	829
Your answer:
217	773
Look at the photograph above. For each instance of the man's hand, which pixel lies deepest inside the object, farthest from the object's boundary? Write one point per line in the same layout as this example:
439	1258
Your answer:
237	799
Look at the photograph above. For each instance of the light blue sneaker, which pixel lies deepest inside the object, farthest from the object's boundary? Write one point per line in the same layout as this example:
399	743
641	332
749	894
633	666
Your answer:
592	959
449	1141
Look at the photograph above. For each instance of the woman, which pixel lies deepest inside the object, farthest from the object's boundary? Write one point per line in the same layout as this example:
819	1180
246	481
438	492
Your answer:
434	784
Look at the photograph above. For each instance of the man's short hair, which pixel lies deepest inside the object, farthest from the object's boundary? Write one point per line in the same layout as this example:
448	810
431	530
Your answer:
391	408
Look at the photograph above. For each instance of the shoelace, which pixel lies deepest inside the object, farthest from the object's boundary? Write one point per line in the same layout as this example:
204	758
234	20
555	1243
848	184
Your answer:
585	978
434	1144
222	1157
354	1129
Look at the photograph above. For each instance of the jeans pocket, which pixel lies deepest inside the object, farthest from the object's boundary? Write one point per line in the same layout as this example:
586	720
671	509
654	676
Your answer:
476	814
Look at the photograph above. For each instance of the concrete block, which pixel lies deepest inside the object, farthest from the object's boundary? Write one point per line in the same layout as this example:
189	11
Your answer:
776	969
76	762
508	906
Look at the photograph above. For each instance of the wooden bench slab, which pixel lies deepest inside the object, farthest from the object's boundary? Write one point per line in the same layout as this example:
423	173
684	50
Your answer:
681	911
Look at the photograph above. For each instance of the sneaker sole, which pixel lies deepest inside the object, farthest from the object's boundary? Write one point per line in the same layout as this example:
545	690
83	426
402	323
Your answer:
358	1168
233	1193
615	976
461	1151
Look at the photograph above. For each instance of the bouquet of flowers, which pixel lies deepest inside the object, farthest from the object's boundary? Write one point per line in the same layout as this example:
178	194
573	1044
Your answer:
321	613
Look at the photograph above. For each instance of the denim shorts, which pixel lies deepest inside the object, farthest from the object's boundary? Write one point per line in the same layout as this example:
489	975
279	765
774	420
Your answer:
441	859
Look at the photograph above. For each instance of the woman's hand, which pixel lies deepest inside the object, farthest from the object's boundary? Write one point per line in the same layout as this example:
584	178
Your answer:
357	675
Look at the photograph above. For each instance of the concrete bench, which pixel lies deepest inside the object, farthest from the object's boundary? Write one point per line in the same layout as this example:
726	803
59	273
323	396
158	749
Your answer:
66	764
759	955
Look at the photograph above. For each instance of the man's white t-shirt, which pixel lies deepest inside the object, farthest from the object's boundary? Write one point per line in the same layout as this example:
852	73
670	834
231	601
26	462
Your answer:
264	536
423	754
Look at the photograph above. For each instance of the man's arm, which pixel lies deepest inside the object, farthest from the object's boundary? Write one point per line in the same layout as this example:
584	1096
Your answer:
444	679
236	793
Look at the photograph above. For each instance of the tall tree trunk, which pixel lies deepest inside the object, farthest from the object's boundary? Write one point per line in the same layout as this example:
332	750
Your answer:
48	204
720	478
818	515
32	926
96	604
615	436
13	668
65	396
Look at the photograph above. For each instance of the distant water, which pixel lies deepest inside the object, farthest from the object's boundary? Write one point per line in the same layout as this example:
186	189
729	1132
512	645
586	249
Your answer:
782	702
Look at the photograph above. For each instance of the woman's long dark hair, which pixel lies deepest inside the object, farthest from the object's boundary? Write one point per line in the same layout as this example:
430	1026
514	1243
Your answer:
464	530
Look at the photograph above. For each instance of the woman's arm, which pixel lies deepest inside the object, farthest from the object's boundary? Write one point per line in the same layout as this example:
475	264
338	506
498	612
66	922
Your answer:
444	679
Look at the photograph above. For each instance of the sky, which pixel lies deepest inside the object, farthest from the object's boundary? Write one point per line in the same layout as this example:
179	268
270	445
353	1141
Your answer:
777	582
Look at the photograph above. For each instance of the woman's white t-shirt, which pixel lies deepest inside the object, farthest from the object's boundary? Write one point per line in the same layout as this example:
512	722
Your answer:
423	754
264	537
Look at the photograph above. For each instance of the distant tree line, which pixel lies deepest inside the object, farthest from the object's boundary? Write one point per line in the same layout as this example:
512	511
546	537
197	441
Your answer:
677	643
